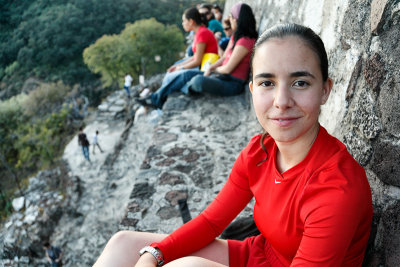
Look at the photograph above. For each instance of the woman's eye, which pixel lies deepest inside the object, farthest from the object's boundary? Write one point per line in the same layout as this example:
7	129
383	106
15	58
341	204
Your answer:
301	84
266	83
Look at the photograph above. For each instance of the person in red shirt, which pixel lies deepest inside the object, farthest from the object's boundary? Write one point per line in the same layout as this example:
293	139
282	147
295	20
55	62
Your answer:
313	202
227	76
179	74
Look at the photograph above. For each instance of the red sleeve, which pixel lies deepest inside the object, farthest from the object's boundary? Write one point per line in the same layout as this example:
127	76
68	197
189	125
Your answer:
336	219
203	229
202	36
246	42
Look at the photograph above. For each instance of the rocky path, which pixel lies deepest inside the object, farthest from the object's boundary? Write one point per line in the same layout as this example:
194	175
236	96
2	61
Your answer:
149	164
190	157
106	182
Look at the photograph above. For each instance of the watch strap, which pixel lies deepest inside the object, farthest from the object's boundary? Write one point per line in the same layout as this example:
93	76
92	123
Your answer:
155	252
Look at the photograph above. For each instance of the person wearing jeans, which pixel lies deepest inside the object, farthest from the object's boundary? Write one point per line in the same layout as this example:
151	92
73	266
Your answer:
179	74
84	143
227	76
220	84
177	82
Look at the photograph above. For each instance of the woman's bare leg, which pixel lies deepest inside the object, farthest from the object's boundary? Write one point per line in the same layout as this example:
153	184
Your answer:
123	250
215	254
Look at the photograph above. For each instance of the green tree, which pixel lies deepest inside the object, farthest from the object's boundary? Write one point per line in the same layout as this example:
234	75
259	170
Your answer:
134	51
105	57
46	38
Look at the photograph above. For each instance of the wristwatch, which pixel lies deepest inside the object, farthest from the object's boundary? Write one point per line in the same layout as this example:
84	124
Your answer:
155	252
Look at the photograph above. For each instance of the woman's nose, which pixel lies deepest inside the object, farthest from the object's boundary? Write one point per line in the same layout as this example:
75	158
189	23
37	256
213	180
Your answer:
283	98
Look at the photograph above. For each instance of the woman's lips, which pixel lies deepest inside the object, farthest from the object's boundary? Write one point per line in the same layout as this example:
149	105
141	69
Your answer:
284	121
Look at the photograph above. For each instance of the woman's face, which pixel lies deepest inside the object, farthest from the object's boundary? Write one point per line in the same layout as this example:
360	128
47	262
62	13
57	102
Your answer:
288	89
186	23
233	22
217	13
227	29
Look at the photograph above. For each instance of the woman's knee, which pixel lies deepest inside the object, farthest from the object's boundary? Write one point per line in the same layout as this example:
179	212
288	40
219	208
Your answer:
121	238
194	262
196	84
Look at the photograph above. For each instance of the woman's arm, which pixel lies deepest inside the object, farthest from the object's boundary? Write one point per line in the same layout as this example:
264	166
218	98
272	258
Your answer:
203	229
214	66
179	65
197	57
48	257
239	52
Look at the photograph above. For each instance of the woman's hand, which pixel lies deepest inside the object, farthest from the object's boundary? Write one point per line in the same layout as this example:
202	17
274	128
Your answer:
172	68
222	69
146	260
218	35
207	72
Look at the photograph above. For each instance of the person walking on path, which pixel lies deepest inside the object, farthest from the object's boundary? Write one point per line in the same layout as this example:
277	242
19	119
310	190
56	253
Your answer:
84	143
127	84
53	254
96	142
313	203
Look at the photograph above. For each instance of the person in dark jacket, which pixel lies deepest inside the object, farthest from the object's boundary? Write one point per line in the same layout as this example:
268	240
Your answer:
53	254
84	143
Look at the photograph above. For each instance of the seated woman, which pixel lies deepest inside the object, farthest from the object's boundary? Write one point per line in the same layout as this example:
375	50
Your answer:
217	11
179	74
223	42
228	75
313	203
214	25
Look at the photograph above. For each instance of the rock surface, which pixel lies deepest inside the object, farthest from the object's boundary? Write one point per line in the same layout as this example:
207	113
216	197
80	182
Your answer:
363	110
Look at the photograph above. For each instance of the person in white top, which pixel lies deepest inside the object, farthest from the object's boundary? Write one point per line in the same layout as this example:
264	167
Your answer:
127	84
96	142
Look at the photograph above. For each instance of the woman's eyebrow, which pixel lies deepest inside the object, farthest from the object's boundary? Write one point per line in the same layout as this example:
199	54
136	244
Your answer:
264	75
293	74
301	74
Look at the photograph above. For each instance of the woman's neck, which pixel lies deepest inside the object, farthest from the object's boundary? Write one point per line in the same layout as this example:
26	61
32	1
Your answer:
292	153
195	28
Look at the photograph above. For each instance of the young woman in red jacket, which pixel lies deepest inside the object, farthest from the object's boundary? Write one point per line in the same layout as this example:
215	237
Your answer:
312	199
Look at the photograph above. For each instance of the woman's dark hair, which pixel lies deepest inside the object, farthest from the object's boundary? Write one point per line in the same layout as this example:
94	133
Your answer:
216	6
227	22
246	24
304	33
209	7
194	14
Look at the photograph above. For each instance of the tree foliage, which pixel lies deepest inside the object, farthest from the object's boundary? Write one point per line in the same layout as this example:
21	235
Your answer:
46	38
134	51
33	130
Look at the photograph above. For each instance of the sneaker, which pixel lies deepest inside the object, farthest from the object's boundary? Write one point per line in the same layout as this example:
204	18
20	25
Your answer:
145	101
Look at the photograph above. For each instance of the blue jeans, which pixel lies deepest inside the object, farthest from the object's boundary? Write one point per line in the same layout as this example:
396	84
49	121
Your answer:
128	92
85	151
173	82
217	84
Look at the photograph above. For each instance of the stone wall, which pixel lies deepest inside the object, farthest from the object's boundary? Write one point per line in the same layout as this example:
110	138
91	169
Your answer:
362	41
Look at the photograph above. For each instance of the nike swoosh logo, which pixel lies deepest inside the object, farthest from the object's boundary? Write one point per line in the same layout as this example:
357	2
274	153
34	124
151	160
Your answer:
277	182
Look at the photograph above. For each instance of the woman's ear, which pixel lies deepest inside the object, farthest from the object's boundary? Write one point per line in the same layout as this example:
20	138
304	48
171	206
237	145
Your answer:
251	86
327	87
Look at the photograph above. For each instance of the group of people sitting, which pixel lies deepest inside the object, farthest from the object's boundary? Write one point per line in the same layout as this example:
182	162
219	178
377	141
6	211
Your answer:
219	70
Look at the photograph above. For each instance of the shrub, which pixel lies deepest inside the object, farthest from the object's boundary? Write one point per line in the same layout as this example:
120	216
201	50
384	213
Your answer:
45	98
